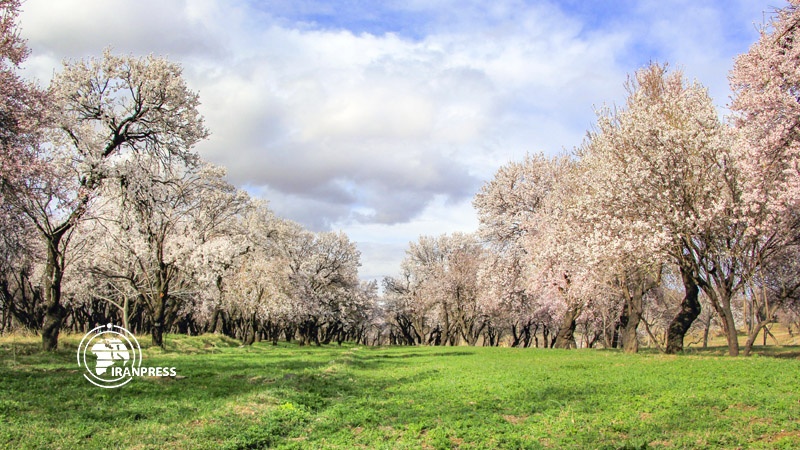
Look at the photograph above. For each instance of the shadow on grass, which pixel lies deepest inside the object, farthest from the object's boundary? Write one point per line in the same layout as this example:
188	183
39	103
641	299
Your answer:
783	352
262	396
50	387
421	355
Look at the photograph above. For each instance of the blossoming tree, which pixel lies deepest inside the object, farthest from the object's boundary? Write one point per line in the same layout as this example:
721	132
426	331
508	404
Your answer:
104	113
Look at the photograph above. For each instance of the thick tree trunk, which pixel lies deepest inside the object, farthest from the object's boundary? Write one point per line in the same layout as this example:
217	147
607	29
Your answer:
636	285
446	328
53	319
212	324
289	332
530	334
721	301
730	330
690	309
157	334
251	331
630	340
566	332
157	327
470	332
54	312
275	334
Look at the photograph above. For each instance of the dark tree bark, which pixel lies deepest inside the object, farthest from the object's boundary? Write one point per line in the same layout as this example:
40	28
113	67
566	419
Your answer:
53	274
251	330
689	310
566	332
630	340
638	286
158	308
157	327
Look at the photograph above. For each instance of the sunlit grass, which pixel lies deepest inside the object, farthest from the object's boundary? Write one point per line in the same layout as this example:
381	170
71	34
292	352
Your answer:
349	397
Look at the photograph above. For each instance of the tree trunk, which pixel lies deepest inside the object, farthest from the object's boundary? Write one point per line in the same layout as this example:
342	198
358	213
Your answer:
635	286
616	336
289	332
52	326
730	329
157	334
250	331
751	338
764	320
690	309
213	322
630	340
721	301
446	327
566	332
275	334
517	338
53	273
157	327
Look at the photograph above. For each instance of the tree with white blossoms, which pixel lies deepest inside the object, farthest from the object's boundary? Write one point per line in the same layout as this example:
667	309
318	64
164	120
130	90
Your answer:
620	255
406	314
459	286
670	181
22	107
558	268
157	221
766	117
252	231
766	113
323	272
505	206
503	299
256	295
365	316
104	113
438	300
529	214
648	183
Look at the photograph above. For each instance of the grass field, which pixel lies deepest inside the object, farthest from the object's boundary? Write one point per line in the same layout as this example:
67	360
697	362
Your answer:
358	397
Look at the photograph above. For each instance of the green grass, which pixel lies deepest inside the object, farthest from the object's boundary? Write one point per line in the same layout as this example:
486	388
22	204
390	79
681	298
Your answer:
358	397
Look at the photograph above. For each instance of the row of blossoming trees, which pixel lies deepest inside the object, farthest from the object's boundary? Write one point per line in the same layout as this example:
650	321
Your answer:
107	214
663	207
666	219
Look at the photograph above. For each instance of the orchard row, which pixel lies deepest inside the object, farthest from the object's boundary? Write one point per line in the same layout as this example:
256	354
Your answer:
668	218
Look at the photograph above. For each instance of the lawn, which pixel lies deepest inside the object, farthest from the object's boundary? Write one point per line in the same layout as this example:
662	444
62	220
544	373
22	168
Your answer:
401	397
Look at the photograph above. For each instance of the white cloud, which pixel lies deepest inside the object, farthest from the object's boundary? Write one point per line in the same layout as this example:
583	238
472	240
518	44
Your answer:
383	245
396	120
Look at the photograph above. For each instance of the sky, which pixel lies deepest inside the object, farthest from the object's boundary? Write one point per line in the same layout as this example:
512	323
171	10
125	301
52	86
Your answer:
384	118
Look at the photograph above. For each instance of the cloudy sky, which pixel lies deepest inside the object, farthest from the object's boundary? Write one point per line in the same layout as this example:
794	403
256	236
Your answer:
384	118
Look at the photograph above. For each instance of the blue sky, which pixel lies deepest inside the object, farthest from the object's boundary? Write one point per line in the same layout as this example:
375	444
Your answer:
383	119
